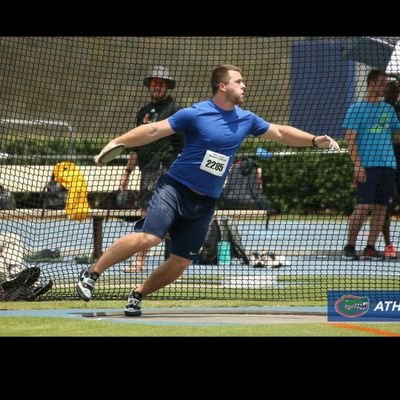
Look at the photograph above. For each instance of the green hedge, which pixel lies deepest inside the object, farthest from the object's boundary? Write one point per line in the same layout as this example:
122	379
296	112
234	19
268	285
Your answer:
41	148
308	182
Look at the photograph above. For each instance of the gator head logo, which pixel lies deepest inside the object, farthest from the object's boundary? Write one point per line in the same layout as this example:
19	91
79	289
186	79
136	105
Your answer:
352	306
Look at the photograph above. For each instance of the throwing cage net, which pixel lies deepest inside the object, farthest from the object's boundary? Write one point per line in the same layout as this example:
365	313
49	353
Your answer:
282	221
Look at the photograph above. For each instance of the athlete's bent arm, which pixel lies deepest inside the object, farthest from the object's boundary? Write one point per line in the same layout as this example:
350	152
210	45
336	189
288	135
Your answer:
144	134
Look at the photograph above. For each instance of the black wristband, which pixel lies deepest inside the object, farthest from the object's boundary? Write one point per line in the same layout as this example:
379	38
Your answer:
313	142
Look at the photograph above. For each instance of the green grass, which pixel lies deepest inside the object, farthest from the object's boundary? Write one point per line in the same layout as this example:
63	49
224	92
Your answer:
47	326
38	326
296	288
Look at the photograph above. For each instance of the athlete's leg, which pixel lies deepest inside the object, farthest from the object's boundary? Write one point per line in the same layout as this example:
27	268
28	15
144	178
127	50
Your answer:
123	248
167	272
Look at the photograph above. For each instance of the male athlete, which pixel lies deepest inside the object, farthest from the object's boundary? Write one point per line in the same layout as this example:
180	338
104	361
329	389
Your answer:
183	201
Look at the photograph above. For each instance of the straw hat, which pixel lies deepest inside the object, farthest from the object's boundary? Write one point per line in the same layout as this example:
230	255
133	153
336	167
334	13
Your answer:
161	72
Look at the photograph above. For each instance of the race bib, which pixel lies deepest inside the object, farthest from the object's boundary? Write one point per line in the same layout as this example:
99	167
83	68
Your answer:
214	163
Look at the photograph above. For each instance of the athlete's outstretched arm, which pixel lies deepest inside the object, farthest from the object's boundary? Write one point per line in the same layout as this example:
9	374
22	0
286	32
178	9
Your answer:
295	137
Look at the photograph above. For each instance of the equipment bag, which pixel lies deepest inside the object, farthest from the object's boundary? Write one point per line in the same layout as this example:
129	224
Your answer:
222	229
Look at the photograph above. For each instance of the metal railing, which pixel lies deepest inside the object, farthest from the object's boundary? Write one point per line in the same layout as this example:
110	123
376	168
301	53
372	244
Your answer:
41	122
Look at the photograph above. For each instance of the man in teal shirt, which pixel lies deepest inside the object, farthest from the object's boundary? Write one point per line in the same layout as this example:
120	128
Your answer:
369	126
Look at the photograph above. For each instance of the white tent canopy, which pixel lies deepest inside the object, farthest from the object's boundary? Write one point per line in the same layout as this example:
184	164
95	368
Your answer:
376	51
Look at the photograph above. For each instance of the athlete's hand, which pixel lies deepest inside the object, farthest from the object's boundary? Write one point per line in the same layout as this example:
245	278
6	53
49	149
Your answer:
326	142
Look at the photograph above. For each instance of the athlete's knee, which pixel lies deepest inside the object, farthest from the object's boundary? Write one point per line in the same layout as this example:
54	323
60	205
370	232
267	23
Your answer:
148	240
180	262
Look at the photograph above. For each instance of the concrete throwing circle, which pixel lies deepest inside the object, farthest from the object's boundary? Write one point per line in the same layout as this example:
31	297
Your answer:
195	316
211	316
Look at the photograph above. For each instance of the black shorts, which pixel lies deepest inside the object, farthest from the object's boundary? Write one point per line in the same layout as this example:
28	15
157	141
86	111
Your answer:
184	214
379	187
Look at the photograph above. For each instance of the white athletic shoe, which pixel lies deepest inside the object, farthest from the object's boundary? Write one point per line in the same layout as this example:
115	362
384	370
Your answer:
86	284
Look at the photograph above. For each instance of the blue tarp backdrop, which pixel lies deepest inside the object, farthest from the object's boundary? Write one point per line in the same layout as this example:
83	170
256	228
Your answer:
322	86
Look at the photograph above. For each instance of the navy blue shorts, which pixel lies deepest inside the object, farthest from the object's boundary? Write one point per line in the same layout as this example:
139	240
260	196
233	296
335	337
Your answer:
379	187
184	214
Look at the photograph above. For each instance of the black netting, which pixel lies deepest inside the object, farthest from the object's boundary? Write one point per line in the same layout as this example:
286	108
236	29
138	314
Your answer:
64	98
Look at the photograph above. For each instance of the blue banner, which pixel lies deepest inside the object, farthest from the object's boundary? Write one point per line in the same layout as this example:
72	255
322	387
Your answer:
364	305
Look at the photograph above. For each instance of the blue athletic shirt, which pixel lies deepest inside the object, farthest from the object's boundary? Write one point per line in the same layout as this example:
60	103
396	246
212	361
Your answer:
208	127
375	124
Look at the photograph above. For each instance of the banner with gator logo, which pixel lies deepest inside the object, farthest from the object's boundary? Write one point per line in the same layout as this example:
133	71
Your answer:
363	305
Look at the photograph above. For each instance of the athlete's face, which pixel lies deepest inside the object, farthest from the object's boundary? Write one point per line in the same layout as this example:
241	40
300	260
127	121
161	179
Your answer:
234	89
157	89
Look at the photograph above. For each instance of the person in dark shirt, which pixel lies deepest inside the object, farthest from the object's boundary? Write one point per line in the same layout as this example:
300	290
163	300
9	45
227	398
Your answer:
154	158
392	97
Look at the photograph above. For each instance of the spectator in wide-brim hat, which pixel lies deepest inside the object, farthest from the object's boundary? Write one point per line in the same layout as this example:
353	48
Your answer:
160	72
153	159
